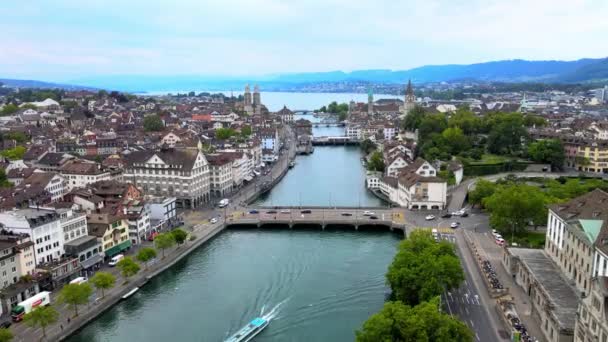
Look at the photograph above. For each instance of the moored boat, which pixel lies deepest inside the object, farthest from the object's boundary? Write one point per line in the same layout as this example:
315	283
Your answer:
128	294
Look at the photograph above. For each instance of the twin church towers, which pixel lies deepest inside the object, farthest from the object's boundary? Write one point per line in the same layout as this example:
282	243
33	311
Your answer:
252	106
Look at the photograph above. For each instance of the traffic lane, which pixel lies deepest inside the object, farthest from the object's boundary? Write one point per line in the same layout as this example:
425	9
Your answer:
295	214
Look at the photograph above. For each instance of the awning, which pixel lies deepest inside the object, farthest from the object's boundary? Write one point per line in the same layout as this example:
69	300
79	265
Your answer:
91	261
118	248
248	178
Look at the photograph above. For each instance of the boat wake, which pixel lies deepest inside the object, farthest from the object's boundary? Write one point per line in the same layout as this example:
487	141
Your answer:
274	312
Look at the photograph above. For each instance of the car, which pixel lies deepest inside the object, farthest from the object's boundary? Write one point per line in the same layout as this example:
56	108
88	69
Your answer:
5	324
454	225
429	217
253	211
446	215
285	211
499	241
455	213
464	214
271	212
307	211
213	220
114	261
346	214
152	236
373	217
368	213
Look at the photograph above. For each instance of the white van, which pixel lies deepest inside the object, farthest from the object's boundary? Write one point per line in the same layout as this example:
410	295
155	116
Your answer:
435	234
116	259
79	280
224	203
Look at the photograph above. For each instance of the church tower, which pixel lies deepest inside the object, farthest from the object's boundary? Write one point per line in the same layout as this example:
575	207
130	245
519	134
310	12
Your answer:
256	96
370	102
247	101
410	99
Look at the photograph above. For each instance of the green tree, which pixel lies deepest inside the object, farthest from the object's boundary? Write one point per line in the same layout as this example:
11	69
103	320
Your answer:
103	281
19	137
423	269
483	189
548	151
424	322
224	133
146	254
367	146
432	123
413	119
465	120
164	241
507	132
16	153
4	183
512	207
41	316
455	140
534	121
246	131
5	335
128	267
179	235
9	109
153	123
75	294
342	116
376	162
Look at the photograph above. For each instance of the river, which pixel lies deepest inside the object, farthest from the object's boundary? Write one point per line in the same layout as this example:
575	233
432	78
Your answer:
322	284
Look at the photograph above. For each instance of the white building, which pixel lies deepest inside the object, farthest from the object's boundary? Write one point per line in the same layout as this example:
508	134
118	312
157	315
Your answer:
79	174
43	227
270	140
163	209
420	188
221	177
395	165
138	219
52	182
180	173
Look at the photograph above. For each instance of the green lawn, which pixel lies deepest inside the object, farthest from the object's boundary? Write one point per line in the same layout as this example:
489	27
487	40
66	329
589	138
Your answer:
489	158
529	239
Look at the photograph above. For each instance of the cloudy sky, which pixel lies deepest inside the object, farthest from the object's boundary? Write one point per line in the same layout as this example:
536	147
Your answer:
67	39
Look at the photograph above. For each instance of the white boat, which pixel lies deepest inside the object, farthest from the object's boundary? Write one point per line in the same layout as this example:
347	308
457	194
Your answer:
249	331
128	294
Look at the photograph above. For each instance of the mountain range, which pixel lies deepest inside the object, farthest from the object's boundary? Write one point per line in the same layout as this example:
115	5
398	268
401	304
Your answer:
579	71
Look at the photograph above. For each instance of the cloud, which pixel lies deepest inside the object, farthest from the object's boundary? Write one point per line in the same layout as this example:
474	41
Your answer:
65	39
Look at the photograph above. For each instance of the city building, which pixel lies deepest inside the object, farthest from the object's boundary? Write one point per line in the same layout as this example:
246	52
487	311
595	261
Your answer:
44	228
79	173
410	99
221	177
179	173
111	231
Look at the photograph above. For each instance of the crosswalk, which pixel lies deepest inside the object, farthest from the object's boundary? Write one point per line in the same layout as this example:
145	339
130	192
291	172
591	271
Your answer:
443	230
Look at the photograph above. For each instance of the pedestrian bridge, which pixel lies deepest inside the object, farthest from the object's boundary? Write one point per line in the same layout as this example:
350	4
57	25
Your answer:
334	141
324	218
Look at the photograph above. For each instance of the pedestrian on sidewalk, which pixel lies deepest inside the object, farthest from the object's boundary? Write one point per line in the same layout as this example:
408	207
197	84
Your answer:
69	320
61	326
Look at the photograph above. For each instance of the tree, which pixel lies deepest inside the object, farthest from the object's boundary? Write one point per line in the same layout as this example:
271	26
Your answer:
455	140
432	123
9	109
412	120
246	131
465	120
179	235
376	162
548	151
506	133
16	153
367	146
342	116
103	281
534	121
75	294
483	189
425	322
41	316
19	137
5	335
224	133
128	267
153	123
146	254
423	269
164	241
4	183
513	206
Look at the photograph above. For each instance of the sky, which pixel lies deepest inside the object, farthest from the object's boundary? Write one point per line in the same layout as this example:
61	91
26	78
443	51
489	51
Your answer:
61	40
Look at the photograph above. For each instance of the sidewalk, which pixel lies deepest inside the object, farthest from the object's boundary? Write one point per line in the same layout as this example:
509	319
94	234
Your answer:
494	253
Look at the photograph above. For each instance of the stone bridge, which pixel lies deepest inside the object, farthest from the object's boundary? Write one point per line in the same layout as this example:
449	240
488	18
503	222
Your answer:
324	218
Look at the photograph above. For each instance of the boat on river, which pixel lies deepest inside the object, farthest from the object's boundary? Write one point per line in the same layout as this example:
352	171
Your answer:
249	331
292	164
128	294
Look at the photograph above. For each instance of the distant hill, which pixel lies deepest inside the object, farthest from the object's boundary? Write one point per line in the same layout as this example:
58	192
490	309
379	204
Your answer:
40	84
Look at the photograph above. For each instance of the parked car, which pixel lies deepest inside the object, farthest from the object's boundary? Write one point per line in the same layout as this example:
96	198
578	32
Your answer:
152	236
5	324
253	211
307	211
285	211
213	220
347	214
464	214
454	225
373	217
79	280
271	212
429	217
368	213
115	259
499	241
446	215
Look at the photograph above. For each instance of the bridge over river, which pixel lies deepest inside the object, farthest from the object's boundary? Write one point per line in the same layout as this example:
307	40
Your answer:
323	217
